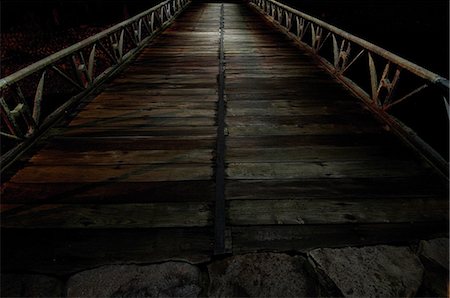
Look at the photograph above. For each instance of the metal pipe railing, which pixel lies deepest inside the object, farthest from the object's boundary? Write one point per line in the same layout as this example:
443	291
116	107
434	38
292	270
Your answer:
25	110
339	51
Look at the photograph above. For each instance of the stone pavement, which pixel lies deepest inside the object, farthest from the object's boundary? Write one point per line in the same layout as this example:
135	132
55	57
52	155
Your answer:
371	271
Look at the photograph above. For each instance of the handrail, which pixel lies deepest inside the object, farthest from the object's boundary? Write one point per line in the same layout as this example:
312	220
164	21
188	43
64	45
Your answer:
24	72
23	93
408	65
335	49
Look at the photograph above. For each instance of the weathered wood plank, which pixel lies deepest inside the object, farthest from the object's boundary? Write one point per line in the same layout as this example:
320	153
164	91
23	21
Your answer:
145	85
307	110
127	104
168	112
143	121
282	95
361	188
348	119
149	215
204	132
284	238
339	211
157	92
127	143
311	140
107	192
300	129
158	77
296	104
106	98
313	153
121	157
117	173
323	169
293	83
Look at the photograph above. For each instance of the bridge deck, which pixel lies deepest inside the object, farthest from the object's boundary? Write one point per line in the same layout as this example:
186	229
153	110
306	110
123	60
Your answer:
131	177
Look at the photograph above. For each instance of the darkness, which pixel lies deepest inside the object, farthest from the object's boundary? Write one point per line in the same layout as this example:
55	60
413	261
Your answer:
416	30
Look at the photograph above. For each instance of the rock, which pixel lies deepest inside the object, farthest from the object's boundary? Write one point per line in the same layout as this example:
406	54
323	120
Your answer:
30	285
435	251
260	275
434	256
171	279
376	271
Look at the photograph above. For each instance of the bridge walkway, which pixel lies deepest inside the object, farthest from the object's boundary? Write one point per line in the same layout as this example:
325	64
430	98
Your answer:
132	175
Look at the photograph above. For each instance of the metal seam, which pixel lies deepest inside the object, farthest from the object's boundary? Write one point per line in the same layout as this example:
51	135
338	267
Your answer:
219	218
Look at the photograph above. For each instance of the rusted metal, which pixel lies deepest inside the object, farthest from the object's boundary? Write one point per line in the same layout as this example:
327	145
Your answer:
118	51
382	95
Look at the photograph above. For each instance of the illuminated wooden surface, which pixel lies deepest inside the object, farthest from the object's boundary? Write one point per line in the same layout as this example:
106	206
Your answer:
131	177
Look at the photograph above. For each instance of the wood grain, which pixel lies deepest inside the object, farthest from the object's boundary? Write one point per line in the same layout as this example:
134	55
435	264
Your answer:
149	215
339	211
129	175
284	238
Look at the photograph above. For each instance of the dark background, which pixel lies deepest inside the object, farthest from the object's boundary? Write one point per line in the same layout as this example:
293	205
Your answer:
417	30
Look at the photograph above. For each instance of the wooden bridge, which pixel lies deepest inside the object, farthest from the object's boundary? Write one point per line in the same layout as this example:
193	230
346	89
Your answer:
223	136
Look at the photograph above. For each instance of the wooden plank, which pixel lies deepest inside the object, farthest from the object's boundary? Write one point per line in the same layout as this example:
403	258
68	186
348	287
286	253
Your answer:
293	83
344	103
313	153
311	140
158	77
178	69
64	252
337	211
164	92
7	207
127	143
284	238
70	216
117	173
122	157
130	104
307	110
235	74
204	132
107	192
146	85
347	119
109	97
300	129
168	112
323	169
361	188
299	95
143	121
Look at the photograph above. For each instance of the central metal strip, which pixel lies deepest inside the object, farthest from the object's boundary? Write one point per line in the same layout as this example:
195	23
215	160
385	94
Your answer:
219	219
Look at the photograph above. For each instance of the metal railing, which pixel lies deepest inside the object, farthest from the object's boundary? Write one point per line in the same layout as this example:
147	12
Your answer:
355	63
26	108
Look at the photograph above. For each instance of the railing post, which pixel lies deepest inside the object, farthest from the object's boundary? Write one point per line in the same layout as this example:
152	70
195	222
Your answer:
379	93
